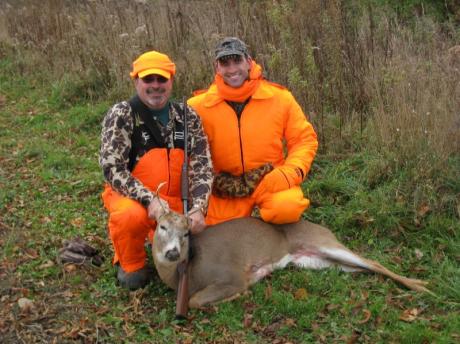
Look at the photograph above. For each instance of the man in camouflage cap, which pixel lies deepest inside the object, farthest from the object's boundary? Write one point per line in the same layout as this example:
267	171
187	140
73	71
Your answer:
247	120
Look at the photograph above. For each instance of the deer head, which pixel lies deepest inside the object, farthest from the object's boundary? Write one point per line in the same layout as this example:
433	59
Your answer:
170	244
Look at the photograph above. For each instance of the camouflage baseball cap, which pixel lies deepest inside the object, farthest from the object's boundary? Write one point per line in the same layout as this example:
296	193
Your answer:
231	46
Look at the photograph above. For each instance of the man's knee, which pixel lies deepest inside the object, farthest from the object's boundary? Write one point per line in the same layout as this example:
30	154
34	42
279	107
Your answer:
225	209
130	219
129	226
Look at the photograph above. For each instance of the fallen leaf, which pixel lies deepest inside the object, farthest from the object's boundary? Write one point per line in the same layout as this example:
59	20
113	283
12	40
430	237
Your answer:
77	222
301	294
423	210
70	267
45	219
409	315
354	337
418	253
367	316
268	292
247	321
26	305
73	333
68	294
315	326
331	307
102	310
31	253
47	264
290	322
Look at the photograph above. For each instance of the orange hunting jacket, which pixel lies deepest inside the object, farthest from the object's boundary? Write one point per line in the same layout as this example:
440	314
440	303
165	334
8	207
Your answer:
271	116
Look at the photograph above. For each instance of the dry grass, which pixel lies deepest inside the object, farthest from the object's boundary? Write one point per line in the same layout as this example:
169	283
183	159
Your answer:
354	68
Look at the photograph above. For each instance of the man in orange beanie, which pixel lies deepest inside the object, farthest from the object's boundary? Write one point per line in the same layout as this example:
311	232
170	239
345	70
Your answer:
250	122
143	146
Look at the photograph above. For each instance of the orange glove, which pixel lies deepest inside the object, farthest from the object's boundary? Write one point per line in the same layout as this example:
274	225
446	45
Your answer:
282	178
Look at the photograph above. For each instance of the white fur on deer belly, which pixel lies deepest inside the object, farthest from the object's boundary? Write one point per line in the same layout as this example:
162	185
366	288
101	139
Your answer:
310	261
258	272
344	257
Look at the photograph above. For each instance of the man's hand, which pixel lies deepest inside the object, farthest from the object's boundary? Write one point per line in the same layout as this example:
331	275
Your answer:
282	178
156	209
197	222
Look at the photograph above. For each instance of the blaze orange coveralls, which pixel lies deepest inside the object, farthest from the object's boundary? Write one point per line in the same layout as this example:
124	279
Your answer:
134	164
129	223
270	119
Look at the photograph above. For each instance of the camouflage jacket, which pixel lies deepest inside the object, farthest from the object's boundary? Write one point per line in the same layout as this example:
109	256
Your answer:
117	128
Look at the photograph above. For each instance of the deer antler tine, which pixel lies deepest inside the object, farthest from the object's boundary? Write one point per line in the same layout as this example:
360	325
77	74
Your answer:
157	194
192	211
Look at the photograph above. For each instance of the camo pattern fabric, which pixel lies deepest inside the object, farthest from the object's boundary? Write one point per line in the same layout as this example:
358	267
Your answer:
227	185
117	128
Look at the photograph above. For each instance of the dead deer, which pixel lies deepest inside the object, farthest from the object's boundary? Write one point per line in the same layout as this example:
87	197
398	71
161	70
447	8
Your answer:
229	257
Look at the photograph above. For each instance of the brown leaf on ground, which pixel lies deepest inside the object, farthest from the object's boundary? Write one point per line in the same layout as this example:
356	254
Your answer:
268	292
70	267
354	337
315	326
26	305
31	253
301	294
423	210
290	322
418	253
331	307
271	329
188	340
77	222
47	264
366	318
409	315
73	333
247	321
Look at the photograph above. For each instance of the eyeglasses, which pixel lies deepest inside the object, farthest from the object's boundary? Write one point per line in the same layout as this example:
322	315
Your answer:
153	77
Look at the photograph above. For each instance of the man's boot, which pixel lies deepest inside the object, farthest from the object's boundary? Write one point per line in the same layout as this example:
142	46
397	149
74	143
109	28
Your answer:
136	279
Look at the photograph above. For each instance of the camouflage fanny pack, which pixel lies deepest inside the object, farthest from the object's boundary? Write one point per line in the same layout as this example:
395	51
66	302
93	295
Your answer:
227	185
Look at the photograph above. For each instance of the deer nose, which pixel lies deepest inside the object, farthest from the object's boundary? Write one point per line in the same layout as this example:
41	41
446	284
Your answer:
173	254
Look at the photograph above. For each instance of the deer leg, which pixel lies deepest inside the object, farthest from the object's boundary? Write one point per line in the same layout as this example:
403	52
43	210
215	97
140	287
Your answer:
215	293
347	259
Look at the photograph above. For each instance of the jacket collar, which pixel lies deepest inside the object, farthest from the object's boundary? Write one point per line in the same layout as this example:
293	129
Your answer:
213	98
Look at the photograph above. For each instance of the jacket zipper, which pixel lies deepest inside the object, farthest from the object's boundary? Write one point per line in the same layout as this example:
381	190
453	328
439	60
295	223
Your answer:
168	169
241	144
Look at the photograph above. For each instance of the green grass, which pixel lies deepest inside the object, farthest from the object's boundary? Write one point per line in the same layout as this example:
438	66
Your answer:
50	186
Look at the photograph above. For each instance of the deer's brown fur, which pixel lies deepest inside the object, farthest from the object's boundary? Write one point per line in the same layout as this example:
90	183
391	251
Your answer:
227	258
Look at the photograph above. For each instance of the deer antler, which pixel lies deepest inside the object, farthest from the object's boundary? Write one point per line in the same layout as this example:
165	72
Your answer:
193	211
163	204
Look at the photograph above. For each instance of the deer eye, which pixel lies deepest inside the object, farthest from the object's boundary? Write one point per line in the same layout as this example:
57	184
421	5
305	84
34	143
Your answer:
163	227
